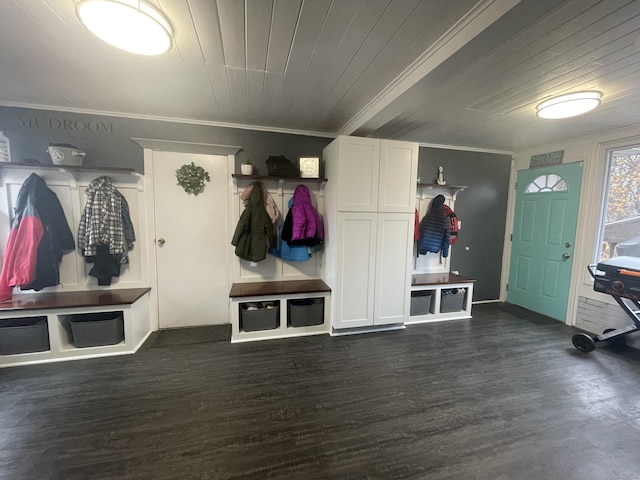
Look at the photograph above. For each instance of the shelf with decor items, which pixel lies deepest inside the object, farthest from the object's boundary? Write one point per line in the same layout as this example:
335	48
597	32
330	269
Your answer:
73	174
70	168
241	181
432	302
277	178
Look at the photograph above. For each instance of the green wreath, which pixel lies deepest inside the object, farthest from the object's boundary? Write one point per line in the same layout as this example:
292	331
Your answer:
192	178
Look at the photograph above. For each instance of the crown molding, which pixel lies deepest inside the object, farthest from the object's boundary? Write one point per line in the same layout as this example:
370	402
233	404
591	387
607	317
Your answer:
239	126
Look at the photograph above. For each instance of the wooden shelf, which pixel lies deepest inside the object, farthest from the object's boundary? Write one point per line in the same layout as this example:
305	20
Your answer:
452	190
432	279
285	179
88	298
74	168
282	287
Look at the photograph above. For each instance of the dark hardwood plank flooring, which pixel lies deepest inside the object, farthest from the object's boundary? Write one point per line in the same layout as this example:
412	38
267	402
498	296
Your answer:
495	397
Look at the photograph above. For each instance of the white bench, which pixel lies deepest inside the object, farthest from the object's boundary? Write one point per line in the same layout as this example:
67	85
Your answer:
278	322
434	284
57	309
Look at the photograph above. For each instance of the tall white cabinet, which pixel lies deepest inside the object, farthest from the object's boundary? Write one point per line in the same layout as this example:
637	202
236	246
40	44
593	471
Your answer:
369	220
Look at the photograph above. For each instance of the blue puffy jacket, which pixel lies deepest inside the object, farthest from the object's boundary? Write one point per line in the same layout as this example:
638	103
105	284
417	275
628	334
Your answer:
435	230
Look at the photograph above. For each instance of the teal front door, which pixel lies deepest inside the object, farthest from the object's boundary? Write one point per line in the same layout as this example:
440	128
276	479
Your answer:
544	230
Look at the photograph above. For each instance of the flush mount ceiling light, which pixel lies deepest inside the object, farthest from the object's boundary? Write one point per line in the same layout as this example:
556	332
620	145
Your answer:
569	105
131	25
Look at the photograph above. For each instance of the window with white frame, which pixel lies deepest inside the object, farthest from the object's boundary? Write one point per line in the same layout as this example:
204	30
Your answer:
547	183
620	220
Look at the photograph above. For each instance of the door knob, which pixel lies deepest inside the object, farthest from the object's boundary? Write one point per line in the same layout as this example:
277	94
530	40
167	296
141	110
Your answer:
566	255
161	241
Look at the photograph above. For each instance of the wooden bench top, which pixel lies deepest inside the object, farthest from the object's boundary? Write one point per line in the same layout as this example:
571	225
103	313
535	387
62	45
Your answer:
285	287
89	298
445	278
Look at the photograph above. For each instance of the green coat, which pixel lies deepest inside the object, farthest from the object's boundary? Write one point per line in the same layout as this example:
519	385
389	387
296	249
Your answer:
254	233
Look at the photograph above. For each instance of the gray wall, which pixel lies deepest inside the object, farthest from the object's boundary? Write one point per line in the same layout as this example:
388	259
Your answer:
107	140
481	207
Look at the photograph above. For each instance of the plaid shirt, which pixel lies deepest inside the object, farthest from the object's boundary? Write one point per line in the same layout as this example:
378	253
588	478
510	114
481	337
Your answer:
101	221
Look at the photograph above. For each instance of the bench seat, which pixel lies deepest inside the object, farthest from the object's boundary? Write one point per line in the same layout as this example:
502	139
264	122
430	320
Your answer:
89	298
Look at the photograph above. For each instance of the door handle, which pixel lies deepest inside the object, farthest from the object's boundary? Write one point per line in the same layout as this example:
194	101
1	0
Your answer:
161	241
566	255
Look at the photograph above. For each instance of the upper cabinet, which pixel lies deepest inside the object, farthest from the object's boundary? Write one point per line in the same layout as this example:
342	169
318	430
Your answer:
398	173
373	175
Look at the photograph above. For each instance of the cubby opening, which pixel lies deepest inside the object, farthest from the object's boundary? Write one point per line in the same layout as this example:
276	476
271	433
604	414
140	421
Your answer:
305	312
421	302
24	335
452	300
97	329
256	316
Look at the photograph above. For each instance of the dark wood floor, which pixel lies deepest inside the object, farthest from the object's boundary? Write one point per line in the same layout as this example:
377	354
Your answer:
497	397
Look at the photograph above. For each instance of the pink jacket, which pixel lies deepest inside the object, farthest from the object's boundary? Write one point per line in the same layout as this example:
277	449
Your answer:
306	221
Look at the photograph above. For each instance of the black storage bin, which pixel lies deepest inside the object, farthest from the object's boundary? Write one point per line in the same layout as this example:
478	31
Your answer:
97	329
24	335
420	303
451	302
306	312
256	316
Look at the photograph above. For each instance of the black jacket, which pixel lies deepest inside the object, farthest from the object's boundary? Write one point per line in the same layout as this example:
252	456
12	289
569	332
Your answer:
57	238
254	234
435	229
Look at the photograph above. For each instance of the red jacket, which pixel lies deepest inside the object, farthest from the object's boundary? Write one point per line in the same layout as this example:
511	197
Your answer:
39	235
20	257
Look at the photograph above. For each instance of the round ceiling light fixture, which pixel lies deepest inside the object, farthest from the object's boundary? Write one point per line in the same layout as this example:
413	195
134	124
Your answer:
131	25
569	105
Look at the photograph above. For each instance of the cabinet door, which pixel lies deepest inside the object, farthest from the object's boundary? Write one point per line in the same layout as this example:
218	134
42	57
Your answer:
355	270
393	268
358	174
398	176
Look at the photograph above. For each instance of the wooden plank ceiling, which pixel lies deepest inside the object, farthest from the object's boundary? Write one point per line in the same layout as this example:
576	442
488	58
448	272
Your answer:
459	72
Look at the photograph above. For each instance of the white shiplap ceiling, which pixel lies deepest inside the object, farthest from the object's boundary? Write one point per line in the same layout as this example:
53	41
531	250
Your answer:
462	73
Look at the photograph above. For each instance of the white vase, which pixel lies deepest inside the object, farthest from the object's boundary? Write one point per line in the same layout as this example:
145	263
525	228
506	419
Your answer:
246	168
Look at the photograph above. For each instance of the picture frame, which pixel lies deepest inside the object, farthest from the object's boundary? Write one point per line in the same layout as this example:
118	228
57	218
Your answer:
309	167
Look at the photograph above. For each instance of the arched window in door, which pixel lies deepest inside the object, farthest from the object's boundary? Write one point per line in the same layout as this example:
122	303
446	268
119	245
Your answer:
547	183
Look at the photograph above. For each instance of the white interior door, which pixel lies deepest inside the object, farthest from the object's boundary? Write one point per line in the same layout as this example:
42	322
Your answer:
192	242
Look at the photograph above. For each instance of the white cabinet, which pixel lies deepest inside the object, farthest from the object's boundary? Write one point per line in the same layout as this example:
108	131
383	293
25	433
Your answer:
369	230
398	175
353	288
357	175
374	175
393	268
